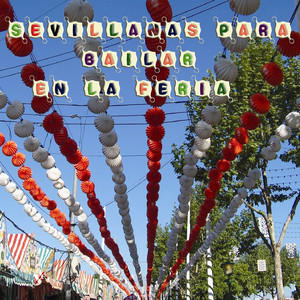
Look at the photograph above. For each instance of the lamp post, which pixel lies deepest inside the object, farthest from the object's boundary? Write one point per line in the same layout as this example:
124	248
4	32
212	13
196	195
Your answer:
227	268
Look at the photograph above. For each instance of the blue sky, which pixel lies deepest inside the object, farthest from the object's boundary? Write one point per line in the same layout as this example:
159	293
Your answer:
64	65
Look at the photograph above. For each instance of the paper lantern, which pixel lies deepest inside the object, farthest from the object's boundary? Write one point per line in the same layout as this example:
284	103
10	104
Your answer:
244	7
51	205
255	174
190	159
87	186
69	148
24	172
216	99
249	183
153	187
272	73
223	165
157	44
197	153
31	143
108	139
48	163
45	201
154	146
118	178
79	11
228	154
2	139
154	100
274	143
289	47
214	185
9	148
87	44
190	171
153	165
235	43
11	187
186	181
293	119
267	153
104	123
40	155
153	177
32	72
76	158
120	188
225	69
202	144
29	184
203	130
19	46
6	15
61	136
59	183
53	122
259	103
211	115
15	110
53	174
155	116
157	73
241	135
3	99
284	132
155	133
154	157
18	159
114	162
111	152
24	128
41	105
95	74
83	164
63	193
249	120
215	174
159	10
235	146
98	105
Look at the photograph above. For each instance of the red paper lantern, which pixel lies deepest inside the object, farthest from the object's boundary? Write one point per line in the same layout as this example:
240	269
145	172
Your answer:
53	122
69	148
2	139
87	186
159	10
35	191
155	133
153	165
24	172
104	232
223	165
214	185
152	197
152	212
6	15
29	184
61	136
235	146
259	103
209	193
153	187
83	164
157	44
83	175
154	100
45	201
19	46
155	157
42	104
32	72
9	148
40	196
241	135
249	120
289	48
155	116
154	146
210	203
228	154
153	177
200	221
272	73
18	159
157	73
54	213
76	158
215	174
51	205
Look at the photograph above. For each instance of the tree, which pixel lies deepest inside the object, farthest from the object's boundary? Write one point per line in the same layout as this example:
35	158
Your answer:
283	99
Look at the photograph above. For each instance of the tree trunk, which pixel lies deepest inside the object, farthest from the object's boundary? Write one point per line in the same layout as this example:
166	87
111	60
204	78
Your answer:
278	274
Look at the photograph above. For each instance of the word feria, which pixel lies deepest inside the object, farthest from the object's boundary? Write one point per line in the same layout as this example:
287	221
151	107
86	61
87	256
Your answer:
143	88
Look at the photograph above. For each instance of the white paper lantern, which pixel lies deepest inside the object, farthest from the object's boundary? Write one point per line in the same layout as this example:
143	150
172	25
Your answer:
87	44
23	200
216	99
186	181
274	143
211	115
11	187
249	182
53	174
4	179
15	110
114	162
267	153
40	155
244	7
24	128
82	225
27	208
120	198
202	144
197	153
238	199
203	129
190	159
126	220
82	217
242	192
184	208
120	188
111	152
225	69
186	191
98	105
119	178
235	43
79	211
283	132
254	173
108	139
104	123
41	222
3	99
48	163
124	212
79	11
33	212
123	205
179	220
37	217
293	119
75	207
58	184
63	193
117	170
46	227
190	171
31	144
